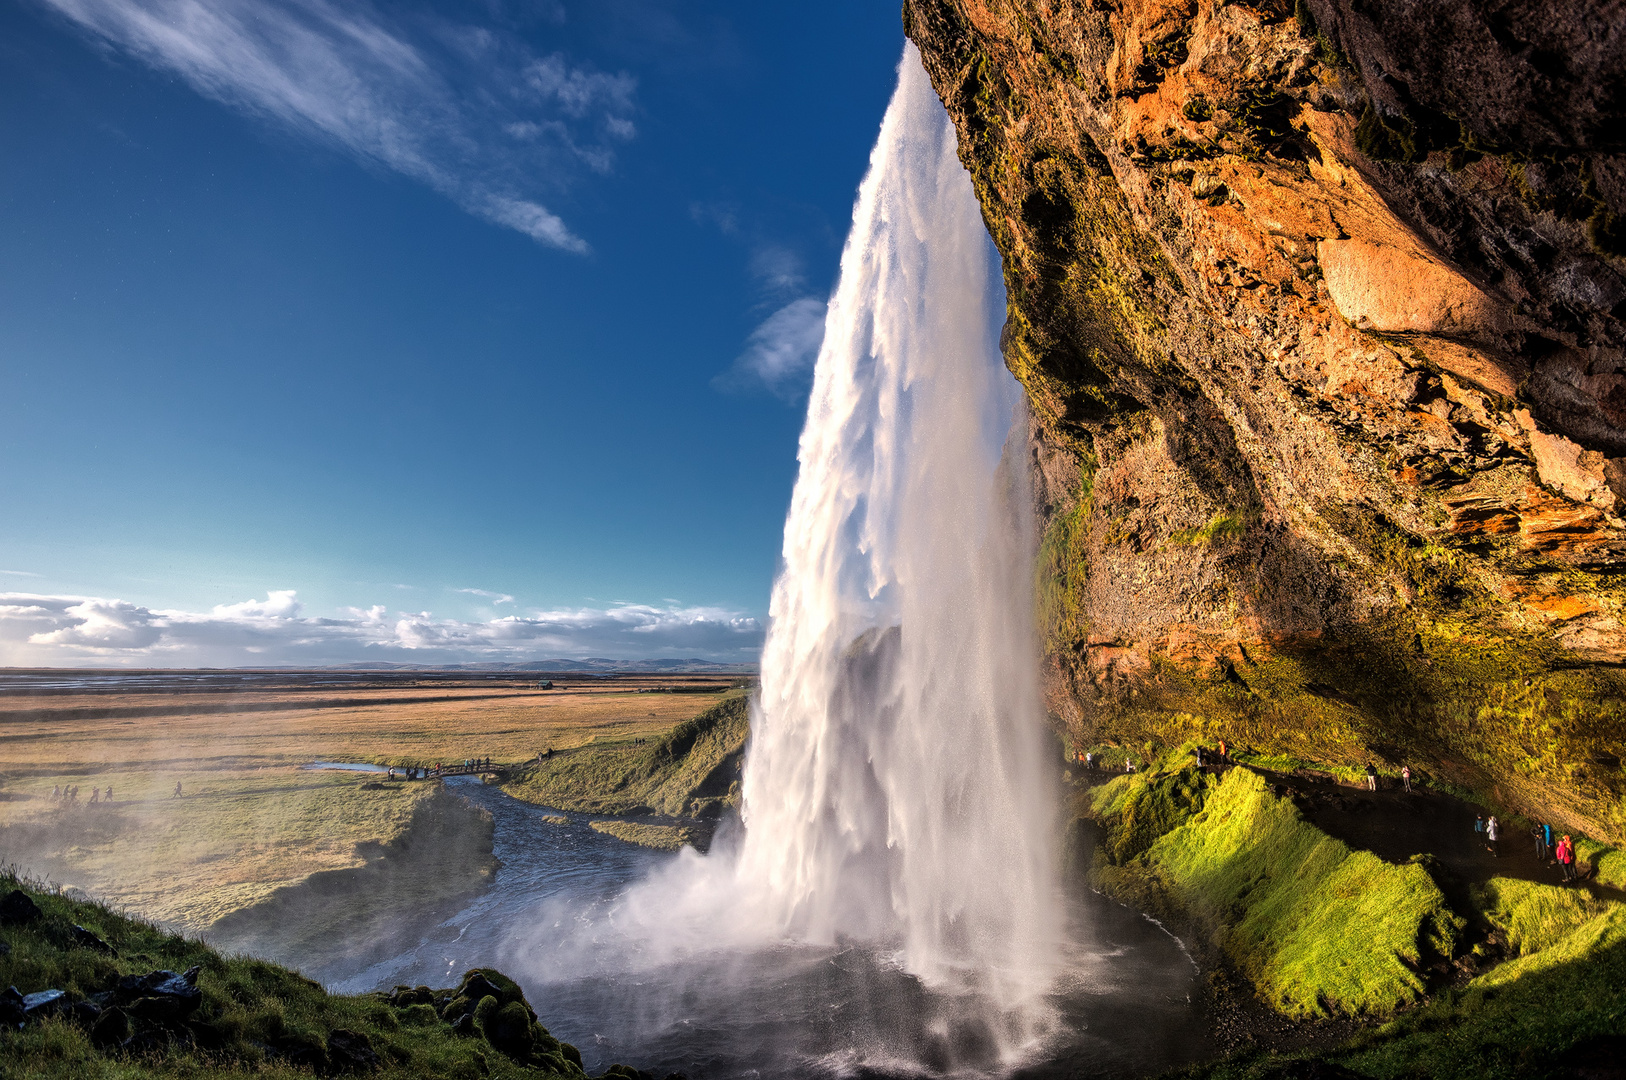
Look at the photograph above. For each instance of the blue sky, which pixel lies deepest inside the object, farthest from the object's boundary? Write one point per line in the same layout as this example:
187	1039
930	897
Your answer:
412	332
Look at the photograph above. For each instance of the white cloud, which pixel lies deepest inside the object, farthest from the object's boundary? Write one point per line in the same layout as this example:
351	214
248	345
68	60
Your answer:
431	101
21	573
38	630
494	597
781	350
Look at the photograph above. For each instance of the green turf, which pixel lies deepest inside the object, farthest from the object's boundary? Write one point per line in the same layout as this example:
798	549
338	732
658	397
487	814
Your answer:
1317	927
254	1015
688	772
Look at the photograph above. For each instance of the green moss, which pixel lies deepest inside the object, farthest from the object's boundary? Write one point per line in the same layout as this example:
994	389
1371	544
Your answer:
1062	572
1318	928
1534	916
689	771
1225	525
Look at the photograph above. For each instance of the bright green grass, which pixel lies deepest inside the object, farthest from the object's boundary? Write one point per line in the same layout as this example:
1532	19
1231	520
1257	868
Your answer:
681	773
1536	916
1317	927
1608	864
246	1002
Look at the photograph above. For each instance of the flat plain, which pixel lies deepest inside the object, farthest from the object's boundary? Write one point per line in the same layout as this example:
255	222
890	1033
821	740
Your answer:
252	816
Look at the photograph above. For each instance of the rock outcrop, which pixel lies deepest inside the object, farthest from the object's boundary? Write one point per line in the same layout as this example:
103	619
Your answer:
1319	307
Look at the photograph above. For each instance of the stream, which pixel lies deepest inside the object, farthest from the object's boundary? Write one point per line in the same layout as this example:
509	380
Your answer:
1123	1006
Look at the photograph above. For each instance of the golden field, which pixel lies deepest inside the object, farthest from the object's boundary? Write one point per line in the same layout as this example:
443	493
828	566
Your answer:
251	817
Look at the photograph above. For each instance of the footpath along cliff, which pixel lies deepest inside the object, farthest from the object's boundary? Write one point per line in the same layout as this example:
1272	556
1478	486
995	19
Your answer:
1319	307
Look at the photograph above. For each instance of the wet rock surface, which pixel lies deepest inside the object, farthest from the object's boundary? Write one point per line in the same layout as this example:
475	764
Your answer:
1319	307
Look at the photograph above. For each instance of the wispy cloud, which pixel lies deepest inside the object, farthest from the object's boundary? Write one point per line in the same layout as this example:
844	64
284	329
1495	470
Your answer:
780	351
20	573
469	110
78	630
494	597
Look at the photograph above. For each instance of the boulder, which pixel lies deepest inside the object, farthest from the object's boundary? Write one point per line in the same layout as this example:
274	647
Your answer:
18	909
159	997
86	939
111	1028
45	1003
11	1008
351	1052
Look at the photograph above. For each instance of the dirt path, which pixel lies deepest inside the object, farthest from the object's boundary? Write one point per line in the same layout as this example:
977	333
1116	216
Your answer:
1395	825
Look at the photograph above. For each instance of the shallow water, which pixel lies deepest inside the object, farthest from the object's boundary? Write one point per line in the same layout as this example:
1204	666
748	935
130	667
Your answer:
1124	1002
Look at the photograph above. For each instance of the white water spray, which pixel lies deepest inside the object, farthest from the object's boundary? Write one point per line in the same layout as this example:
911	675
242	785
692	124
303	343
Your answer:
896	796
895	786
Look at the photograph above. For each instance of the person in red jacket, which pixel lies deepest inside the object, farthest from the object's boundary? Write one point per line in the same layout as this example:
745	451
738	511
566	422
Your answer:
1566	858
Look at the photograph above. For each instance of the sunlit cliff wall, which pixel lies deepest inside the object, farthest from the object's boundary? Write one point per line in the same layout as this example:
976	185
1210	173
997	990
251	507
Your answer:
1320	311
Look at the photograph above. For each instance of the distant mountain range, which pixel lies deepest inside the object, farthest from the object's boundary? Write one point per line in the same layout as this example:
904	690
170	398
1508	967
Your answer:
590	664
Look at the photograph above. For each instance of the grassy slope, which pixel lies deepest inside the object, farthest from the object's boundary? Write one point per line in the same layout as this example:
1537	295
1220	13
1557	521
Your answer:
1519	1020
1318	928
685	772
253	1013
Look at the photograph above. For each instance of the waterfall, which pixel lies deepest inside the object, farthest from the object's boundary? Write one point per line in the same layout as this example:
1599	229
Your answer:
897	807
895	786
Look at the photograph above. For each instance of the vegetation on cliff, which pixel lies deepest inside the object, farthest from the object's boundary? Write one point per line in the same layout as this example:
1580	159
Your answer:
1316	927
689	771
138	1002
1516	979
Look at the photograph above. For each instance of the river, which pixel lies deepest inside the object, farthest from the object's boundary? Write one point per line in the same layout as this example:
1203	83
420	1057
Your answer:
1124	1004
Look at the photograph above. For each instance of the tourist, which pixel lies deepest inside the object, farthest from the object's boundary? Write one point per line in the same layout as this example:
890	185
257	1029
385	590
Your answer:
1371	777
177	794
1540	833
109	796
1405	776
95	795
1225	752
1479	825
1547	840
56	792
1491	829
1199	752
1566	857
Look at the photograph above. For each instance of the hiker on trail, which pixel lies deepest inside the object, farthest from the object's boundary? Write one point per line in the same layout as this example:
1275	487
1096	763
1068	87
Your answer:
73	794
1371	777
1089	761
1129	765
95	795
1492	828
1540	833
177	794
109	796
56	792
1547	840
1566	858
1225	751
1199	753
1405	776
1479	825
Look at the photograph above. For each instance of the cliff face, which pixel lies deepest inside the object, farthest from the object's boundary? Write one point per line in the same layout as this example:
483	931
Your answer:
1320	310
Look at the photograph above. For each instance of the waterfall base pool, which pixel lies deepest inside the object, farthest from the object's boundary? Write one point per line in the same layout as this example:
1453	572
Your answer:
1124	1005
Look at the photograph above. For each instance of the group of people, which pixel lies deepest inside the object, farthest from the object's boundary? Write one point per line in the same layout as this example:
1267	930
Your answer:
1489	832
71	794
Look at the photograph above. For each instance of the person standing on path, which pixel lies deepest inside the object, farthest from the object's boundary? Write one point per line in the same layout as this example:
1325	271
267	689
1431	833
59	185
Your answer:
1405	776
1371	777
1540	833
1491	829
177	794
1547	840
1566	858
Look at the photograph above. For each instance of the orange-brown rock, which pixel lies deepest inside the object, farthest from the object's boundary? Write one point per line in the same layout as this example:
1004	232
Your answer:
1319	311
